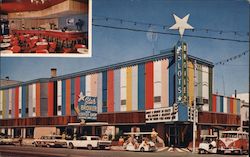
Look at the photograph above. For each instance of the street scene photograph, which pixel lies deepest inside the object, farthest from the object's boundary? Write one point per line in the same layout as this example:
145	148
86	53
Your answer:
156	78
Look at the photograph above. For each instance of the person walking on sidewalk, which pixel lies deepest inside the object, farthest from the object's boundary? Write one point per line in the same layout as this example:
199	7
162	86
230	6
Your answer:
20	140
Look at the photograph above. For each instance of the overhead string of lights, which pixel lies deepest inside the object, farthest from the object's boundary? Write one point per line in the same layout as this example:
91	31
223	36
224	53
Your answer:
164	27
223	62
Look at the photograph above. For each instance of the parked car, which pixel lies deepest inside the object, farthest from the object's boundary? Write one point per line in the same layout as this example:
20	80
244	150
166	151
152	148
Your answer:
139	141
50	141
6	140
208	144
89	142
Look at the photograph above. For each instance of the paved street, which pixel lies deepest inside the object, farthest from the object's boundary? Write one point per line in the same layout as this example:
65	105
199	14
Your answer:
26	151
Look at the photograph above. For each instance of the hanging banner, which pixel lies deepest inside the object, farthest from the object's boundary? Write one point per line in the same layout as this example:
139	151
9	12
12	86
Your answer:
181	72
87	107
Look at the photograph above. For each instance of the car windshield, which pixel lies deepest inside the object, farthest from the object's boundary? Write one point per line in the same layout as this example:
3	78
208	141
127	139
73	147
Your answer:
229	135
95	138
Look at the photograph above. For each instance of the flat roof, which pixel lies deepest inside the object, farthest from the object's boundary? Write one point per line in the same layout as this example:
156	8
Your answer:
168	54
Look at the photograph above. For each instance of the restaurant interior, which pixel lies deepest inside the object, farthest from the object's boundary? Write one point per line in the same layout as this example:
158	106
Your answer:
44	26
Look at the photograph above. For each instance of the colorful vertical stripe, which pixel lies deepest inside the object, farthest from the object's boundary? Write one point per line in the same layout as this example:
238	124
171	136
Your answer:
77	90
99	92
123	89
104	91
164	83
134	88
59	98
141	87
93	85
38	109
72	97
129	88
68	97
157	84
117	100
63	97
110	91
50	98
149	85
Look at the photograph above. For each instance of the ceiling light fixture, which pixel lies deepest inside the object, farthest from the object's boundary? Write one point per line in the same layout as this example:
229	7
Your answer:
38	1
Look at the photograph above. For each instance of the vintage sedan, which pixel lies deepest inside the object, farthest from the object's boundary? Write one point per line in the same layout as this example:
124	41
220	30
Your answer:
50	141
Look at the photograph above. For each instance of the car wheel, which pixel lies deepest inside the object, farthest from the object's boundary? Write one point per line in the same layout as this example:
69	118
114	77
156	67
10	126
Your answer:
71	146
89	147
142	149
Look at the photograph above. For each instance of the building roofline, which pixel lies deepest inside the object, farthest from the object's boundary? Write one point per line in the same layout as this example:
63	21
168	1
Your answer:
170	53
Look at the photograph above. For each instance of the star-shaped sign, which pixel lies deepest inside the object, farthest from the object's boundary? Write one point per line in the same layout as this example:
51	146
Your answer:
181	24
81	97
179	98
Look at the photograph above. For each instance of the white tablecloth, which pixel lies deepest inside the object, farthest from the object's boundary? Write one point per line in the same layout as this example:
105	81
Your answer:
6	51
82	50
4	45
41	43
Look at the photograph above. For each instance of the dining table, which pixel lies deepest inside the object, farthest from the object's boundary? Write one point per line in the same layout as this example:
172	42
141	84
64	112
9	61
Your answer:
82	50
6	40
41	43
4	45
6	51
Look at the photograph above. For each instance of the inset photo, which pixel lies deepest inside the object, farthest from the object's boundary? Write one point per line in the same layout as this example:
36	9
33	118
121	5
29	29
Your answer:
46	28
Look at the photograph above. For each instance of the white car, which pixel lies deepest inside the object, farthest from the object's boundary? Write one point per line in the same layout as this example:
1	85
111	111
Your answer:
208	144
89	142
6	140
50	141
142	147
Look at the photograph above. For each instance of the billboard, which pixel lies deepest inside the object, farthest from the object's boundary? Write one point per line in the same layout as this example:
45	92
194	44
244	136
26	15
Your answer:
87	107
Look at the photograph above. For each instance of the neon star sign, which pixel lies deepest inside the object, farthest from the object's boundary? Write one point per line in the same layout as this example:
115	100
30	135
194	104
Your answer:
181	24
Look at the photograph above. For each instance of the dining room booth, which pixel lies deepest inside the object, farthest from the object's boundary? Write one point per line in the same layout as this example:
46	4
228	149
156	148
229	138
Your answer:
44	26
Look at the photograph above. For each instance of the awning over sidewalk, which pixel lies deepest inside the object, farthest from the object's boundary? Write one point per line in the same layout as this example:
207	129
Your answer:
88	124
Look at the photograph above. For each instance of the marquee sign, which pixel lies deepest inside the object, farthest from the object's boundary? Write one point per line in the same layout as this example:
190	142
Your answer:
87	107
181	72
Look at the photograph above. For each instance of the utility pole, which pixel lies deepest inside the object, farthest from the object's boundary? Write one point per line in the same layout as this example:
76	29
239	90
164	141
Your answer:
194	107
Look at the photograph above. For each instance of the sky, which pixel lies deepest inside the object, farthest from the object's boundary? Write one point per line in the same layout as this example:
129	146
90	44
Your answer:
113	46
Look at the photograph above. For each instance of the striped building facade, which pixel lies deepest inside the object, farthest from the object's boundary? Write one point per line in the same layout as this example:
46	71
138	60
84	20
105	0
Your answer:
124	91
133	88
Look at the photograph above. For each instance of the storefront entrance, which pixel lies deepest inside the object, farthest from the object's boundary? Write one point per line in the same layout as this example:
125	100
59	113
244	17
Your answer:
174	136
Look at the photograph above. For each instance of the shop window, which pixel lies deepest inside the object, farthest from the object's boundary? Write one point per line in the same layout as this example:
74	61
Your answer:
29	132
123	102
59	108
157	99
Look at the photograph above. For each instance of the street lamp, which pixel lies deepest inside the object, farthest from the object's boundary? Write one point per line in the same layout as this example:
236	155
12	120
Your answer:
194	107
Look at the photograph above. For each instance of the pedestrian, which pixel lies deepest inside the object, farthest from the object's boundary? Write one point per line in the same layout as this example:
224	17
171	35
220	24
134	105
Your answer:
167	139
20	140
154	135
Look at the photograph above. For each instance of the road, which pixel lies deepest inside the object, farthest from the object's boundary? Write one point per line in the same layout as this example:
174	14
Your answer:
29	151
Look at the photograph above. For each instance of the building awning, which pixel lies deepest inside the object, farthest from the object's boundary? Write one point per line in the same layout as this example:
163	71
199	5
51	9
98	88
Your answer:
88	124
